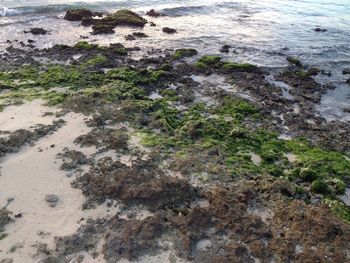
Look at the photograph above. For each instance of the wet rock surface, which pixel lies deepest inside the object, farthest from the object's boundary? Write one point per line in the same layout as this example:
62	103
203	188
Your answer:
173	154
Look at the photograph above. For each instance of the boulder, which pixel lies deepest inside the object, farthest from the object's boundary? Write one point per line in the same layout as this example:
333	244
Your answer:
78	14
124	18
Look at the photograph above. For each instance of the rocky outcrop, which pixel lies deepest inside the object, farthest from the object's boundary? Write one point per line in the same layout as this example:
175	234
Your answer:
80	14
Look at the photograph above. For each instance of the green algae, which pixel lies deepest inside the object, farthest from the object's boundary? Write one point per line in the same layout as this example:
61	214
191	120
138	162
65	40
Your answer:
124	17
85	45
339	209
135	76
215	62
209	61
233	66
221	130
98	60
295	61
184	52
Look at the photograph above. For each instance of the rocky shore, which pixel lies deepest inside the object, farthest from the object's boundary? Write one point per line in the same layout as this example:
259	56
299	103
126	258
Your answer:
174	157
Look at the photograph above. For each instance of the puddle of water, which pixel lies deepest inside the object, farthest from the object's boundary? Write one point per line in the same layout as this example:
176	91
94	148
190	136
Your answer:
334	102
203	245
282	85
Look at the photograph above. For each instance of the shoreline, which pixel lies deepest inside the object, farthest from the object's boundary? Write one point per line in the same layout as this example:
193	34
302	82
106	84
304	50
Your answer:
174	157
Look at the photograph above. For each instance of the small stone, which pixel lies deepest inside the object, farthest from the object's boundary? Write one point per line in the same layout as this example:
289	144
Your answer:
70	174
19	215
15	247
52	199
225	49
169	30
318	29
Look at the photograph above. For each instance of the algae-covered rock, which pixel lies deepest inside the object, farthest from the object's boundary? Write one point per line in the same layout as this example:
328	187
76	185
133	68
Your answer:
294	61
184	52
124	18
103	29
78	14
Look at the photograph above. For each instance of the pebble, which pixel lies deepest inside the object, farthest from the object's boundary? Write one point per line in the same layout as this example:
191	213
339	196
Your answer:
51	199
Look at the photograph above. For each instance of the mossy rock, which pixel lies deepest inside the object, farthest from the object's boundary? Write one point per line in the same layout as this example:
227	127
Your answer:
246	67
208	61
103	29
78	14
294	61
124	17
308	174
85	45
184	52
319	186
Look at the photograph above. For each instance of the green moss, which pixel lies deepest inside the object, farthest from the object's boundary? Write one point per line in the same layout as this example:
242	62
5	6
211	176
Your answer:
85	45
136	76
295	61
339	209
126	18
170	94
208	61
185	52
338	186
236	108
232	66
319	186
95	61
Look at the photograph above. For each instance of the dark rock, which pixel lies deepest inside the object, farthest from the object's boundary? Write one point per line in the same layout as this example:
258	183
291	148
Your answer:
87	21
139	34
31	41
152	24
102	29
346	71
153	13
135	35
130	37
37	31
124	18
318	29
348	81
78	14
169	30
225	49
294	61
313	71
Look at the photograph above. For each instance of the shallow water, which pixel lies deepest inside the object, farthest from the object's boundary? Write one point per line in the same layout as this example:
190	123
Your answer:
260	32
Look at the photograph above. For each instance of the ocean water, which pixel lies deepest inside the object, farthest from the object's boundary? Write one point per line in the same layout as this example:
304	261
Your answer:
263	32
